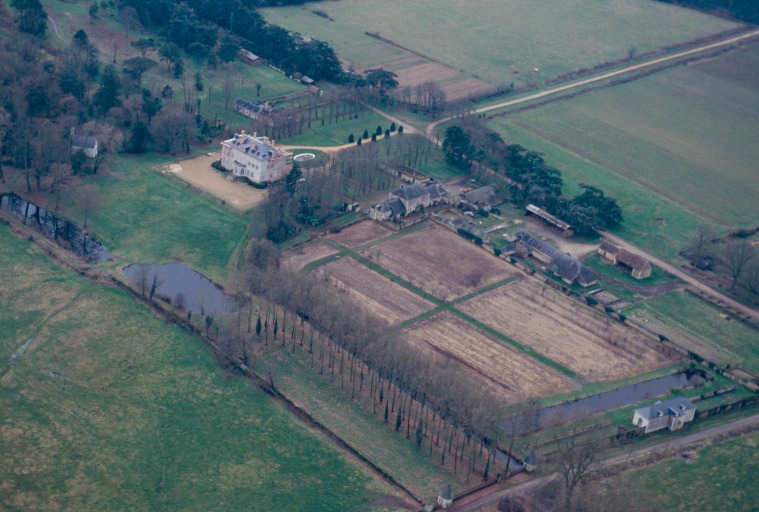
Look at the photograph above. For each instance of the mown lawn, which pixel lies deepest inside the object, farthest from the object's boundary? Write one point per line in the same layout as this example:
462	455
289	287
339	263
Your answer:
492	38
728	469
337	133
149	218
109	408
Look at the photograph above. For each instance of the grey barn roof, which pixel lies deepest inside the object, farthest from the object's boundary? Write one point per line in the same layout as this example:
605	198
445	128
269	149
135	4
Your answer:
446	492
410	192
83	141
674	407
562	264
540	212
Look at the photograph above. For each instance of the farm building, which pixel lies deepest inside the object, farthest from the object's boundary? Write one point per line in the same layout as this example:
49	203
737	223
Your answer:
569	269
250	58
530	462
468	226
406	173
563	227
408	199
672	414
445	498
260	110
483	197
254	158
84	143
637	266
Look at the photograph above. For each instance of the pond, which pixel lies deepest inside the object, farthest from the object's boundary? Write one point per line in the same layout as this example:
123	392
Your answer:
63	232
183	285
614	399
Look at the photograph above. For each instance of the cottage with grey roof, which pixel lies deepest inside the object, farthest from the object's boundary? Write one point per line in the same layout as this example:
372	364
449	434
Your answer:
671	414
85	143
445	498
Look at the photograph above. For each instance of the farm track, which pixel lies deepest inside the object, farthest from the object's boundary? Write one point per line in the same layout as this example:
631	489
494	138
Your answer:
628	175
604	76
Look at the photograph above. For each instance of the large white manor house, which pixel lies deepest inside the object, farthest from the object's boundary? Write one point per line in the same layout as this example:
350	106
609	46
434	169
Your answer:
255	158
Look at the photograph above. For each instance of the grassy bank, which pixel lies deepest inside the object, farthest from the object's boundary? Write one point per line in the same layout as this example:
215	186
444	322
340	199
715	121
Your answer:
109	408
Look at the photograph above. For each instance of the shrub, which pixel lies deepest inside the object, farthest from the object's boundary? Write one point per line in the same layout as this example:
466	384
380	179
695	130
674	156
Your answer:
591	301
351	139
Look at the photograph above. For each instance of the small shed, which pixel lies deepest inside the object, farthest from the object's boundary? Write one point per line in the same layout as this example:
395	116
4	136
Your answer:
445	498
551	220
250	58
84	143
530	462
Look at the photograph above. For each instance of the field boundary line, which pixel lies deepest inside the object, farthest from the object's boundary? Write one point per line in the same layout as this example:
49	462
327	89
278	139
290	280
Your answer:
485	289
403	232
418	318
321	261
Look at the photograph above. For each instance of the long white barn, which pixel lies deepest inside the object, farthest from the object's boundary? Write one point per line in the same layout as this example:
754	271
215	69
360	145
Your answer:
255	158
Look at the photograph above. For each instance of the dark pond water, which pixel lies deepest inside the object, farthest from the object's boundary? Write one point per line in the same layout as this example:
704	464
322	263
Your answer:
200	294
65	233
614	399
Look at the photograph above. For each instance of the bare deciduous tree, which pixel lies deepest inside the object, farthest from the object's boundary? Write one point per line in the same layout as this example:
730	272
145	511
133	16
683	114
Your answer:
737	258
89	200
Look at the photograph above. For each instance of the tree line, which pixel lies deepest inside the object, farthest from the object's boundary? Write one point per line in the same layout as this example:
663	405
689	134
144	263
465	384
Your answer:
315	192
472	145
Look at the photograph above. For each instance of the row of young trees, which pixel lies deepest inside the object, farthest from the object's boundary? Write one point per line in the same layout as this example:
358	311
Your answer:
412	392
471	144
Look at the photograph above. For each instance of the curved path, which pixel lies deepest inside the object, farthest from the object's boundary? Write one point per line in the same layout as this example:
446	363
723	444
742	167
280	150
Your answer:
670	444
55	28
598	78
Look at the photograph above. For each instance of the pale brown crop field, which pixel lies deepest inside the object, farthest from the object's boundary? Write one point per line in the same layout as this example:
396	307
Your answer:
384	298
361	233
506	371
597	347
303	255
440	262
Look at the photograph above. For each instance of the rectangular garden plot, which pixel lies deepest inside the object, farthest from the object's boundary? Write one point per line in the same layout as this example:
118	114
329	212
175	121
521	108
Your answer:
506	371
598	348
361	233
440	262
384	298
303	255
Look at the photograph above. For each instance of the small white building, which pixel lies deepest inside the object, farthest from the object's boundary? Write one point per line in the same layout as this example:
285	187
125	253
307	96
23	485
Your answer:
672	414
84	143
254	158
445	498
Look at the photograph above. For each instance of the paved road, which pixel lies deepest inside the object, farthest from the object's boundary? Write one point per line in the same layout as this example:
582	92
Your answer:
683	275
603	76
671	444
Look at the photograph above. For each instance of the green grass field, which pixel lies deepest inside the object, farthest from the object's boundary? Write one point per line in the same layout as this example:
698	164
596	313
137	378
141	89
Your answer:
149	218
491	39
676	149
110	408
728	469
337	133
701	328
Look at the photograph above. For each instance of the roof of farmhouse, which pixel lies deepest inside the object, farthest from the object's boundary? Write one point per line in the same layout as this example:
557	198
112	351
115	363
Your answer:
260	147
625	257
674	407
410	192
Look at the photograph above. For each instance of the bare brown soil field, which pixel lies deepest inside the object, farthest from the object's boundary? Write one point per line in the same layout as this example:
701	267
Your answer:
598	348
465	88
360	233
439	261
514	376
422	73
384	298
303	255
199	173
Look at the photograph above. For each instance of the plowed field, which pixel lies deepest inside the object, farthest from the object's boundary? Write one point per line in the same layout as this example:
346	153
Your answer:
360	233
597	347
384	298
302	256
508	372
440	262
